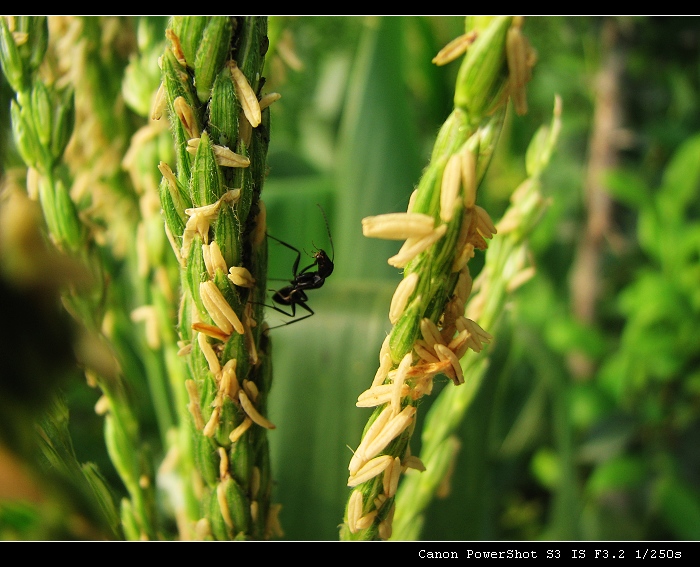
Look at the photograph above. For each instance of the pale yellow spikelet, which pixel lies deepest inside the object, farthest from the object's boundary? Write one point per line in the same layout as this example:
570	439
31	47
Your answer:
474	329
449	187
193	406
209	354
251	389
206	256
414	246
210	331
359	458
223	504
240	429
455	48
392	473
399	378
378	395
212	425
401	296
33	177
464	285
413	462
521	58
229	382
202	529
430	332
424	353
394	427
167	172
459	344
159	103
366	521
444	353
468	170
219	309
186	116
398	226
241	277
216	258
254	507
255	482
484	224
148	315
355	505
102	405
520	278
226	157
379	500
223	463
383	370
385	349
369	470
253	413
466	253
176	46
384	529
268	99
273	528
246	95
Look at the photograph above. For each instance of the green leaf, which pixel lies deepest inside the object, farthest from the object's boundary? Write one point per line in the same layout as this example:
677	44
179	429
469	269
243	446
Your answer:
321	365
546	467
628	187
378	161
681	179
620	473
680	507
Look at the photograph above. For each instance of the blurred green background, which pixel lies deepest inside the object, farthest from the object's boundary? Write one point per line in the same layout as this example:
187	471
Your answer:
587	425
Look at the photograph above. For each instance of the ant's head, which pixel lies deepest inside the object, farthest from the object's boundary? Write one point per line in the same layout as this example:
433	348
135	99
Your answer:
323	263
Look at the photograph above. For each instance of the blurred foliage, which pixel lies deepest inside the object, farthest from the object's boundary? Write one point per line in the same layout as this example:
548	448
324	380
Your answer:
548	451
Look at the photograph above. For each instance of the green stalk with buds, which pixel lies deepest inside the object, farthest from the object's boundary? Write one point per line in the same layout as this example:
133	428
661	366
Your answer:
43	117
442	229
42	123
215	220
505	269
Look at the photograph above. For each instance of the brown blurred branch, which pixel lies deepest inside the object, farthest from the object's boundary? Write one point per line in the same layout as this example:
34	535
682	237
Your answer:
603	156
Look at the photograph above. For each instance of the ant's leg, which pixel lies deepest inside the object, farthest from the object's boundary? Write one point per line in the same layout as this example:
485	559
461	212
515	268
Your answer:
280	310
295	267
300	304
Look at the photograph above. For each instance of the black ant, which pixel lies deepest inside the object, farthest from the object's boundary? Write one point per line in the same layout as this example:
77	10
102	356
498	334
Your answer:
295	293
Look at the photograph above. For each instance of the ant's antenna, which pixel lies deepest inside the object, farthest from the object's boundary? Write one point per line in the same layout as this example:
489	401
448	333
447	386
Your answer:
328	230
